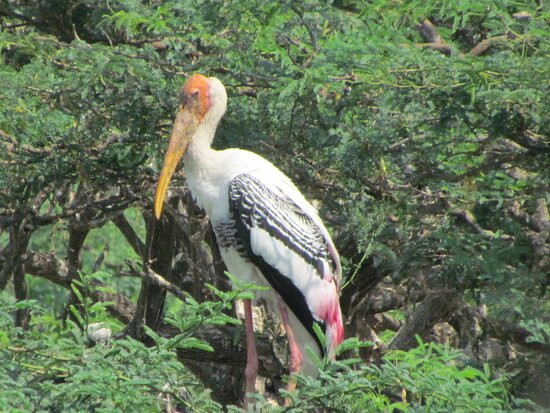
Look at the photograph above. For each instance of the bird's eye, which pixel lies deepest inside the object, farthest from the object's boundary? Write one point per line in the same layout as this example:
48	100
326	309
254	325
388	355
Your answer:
195	93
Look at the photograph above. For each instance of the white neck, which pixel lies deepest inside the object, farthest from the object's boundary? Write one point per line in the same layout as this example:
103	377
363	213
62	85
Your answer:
199	155
204	171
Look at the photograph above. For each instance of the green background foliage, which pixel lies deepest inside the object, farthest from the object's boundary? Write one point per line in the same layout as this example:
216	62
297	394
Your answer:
430	169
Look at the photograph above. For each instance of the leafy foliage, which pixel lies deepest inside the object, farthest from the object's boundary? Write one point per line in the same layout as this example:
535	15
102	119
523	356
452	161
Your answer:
431	169
63	374
428	378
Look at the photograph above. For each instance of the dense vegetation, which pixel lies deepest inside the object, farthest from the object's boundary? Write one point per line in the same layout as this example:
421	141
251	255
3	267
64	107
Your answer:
420	130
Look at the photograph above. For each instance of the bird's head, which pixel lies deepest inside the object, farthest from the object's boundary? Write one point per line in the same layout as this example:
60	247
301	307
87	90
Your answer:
203	102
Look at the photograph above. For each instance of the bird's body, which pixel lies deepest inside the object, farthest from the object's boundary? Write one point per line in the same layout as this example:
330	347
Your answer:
231	166
267	232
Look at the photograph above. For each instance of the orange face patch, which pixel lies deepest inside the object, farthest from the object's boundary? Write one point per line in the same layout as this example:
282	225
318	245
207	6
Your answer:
197	87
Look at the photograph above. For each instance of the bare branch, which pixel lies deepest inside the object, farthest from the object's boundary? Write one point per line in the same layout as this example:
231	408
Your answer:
101	257
14	253
532	141
433	40
505	330
22	316
469	218
49	267
382	298
474	323
436	307
131	236
57	271
429	32
486	44
152	277
77	236
444	48
381	322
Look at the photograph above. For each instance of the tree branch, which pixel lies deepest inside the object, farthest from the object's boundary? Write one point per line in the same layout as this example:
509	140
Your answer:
469	218
532	141
152	277
429	32
227	350
14	253
432	37
505	330
486	44
474	323
383	298
442	47
129	234
57	271
436	307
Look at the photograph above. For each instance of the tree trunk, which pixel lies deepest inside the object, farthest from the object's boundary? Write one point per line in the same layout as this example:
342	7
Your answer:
436	307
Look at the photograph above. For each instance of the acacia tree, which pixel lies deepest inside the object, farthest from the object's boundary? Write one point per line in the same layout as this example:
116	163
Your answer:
419	130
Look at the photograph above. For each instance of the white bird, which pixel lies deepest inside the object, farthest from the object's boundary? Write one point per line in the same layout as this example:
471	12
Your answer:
267	233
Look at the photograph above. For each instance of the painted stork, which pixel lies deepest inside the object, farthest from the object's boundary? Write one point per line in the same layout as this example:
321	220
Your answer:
267	233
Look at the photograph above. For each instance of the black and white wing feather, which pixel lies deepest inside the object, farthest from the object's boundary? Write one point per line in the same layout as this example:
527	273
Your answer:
287	246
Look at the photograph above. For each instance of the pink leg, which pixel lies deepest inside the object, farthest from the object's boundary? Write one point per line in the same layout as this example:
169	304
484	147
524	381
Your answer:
295	352
251	370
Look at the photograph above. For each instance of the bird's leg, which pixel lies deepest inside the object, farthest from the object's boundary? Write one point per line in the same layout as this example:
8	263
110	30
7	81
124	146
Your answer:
251	371
295	352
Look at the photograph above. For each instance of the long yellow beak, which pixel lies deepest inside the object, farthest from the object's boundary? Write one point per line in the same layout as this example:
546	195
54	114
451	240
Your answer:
184	128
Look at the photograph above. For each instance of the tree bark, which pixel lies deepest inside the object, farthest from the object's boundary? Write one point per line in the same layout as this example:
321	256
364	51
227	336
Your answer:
436	307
